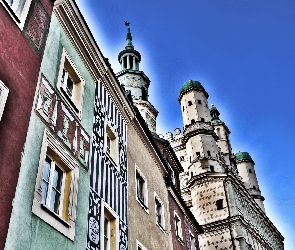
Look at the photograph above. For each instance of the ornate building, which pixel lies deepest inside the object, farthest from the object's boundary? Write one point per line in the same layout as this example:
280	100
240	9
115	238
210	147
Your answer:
221	188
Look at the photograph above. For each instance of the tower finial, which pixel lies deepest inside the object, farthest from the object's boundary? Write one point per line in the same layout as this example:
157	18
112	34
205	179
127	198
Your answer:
128	38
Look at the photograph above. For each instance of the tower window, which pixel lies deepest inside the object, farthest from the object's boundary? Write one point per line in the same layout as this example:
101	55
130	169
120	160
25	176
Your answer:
181	158
254	187
202	119
190	103
211	168
198	154
193	121
125	62
250	171
199	102
131	62
219	204
183	108
208	153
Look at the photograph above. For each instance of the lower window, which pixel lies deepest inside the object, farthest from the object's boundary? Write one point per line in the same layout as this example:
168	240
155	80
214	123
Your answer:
55	196
110	229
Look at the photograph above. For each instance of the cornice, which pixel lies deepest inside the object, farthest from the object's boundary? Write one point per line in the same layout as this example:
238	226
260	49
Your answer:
78	32
148	105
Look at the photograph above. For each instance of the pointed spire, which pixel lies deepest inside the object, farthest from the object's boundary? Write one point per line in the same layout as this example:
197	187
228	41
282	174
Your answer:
129	40
214	113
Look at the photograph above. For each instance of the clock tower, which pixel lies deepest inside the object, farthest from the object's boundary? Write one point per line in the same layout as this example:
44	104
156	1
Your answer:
136	82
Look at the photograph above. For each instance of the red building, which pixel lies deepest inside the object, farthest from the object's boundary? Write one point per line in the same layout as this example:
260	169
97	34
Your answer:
185	228
23	31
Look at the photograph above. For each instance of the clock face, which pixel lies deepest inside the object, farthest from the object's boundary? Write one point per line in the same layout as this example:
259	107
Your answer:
133	83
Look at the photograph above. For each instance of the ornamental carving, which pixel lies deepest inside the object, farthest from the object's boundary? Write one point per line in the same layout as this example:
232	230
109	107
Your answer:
37	25
60	119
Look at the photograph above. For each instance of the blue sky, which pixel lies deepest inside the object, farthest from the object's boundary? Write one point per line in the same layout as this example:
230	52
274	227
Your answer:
243	52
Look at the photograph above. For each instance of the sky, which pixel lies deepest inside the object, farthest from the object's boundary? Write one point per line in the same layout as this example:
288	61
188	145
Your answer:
243	53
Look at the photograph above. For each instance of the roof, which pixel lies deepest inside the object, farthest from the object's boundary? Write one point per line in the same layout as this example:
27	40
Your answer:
191	85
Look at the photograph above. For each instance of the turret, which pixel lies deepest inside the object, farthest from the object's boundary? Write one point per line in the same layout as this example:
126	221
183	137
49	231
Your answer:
245	166
201	147
131	78
222	132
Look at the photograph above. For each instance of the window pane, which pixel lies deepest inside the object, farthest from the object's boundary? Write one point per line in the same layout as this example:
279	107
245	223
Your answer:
46	170
57	179
70	85
44	191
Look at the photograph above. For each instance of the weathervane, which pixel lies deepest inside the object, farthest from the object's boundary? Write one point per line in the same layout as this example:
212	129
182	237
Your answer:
126	23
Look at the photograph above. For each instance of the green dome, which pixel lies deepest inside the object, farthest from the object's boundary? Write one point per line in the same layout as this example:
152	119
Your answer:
243	156
214	113
191	84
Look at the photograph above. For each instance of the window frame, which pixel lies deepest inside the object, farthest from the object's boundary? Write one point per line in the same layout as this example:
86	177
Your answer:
111	150
20	18
178	227
67	64
113	223
65	220
144	202
159	203
3	97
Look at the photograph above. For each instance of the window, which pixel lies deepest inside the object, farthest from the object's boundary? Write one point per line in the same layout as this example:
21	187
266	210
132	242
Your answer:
3	97
141	189
192	241
71	84
53	183
250	171
193	121
18	10
211	168
111	145
55	196
110	229
208	153
199	102
219	204
140	246
159	209
181	158
178	228
202	119
198	154
190	103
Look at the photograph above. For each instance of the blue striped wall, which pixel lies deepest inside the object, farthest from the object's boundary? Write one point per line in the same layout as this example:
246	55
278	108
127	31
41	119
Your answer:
107	182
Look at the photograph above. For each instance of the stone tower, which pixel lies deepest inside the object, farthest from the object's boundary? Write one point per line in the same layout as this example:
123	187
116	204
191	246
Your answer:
136	82
217	185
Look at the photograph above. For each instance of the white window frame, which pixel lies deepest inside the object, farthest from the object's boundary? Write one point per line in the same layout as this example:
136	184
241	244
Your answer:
178	227
3	97
113	217
54	148
160	224
112	150
76	100
18	18
138	244
144	202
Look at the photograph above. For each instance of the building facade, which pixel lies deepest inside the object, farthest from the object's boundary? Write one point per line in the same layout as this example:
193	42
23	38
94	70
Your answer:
23	30
50	206
221	188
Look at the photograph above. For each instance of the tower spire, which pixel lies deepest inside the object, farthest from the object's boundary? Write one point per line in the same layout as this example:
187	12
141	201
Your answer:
129	44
